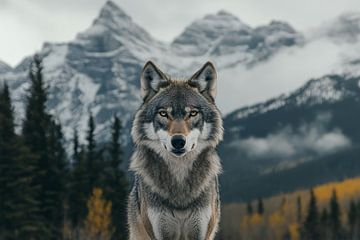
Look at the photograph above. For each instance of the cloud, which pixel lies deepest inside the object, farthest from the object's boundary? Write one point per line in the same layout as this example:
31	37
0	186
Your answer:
283	73
309	138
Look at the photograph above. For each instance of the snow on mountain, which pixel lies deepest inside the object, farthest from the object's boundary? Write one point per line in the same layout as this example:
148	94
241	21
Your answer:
4	67
96	72
327	89
230	41
99	70
198	38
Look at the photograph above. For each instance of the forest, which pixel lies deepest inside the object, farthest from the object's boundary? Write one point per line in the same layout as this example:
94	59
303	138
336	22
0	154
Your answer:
47	193
326	212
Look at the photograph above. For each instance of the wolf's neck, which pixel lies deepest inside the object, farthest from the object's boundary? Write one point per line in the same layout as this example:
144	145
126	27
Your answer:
179	181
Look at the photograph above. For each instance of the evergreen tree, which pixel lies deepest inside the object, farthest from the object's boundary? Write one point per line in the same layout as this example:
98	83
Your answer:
34	133
324	225
75	146
260	207
324	218
249	208
19	207
78	185
91	161
352	217
44	139
7	137
55	187
36	119
116	185
311	224
334	217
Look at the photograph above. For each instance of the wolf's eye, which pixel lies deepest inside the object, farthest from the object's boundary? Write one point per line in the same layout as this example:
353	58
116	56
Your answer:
193	113
163	113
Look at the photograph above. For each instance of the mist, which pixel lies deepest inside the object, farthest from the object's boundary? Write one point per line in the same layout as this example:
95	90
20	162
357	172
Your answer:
316	137
283	73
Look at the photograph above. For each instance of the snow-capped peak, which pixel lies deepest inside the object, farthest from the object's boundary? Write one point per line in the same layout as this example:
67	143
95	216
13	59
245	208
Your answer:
112	31
223	21
200	36
111	12
4	67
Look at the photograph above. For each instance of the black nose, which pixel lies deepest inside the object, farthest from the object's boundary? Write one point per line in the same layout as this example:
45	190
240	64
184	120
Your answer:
178	142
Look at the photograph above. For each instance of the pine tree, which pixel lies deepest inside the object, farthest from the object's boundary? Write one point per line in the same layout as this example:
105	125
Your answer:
334	218
43	137
352	217
116	185
249	208
7	138
57	180
76	146
260	207
36	119
324	225
19	207
91	161
324	218
311	224
34	133
78	185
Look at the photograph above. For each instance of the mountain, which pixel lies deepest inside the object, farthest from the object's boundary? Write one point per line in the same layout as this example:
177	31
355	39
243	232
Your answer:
230	41
99	70
307	137
269	147
345	28
4	67
200	37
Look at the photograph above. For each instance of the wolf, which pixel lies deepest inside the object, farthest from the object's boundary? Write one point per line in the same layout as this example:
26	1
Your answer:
175	195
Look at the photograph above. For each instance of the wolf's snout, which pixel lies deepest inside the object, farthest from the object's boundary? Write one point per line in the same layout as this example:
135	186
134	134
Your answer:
178	142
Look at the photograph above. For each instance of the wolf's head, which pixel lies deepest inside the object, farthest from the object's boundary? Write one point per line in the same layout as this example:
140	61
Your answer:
178	117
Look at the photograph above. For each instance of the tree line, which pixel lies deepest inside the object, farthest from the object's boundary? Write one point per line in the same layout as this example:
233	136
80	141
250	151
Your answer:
328	224
328	212
46	194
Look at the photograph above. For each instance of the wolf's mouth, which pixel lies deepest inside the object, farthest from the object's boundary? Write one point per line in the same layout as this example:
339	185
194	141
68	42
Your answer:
178	152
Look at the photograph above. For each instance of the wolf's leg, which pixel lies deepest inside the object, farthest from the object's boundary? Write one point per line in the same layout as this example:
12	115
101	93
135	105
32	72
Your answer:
138	232
215	214
212	228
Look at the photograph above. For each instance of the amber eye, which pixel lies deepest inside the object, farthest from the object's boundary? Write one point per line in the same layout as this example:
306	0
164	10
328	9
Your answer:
193	113
163	113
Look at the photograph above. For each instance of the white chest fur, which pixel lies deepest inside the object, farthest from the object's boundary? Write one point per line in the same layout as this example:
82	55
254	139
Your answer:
179	225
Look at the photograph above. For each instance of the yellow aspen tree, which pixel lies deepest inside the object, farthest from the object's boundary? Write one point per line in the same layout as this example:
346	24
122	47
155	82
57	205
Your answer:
98	220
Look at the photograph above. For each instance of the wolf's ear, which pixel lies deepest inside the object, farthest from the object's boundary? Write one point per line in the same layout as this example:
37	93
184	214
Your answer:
205	80
152	79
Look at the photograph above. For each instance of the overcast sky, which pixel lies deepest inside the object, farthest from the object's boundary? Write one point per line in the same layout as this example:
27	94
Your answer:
26	24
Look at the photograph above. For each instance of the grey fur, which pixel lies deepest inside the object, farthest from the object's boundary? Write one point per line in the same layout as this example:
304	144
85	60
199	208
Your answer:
175	197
